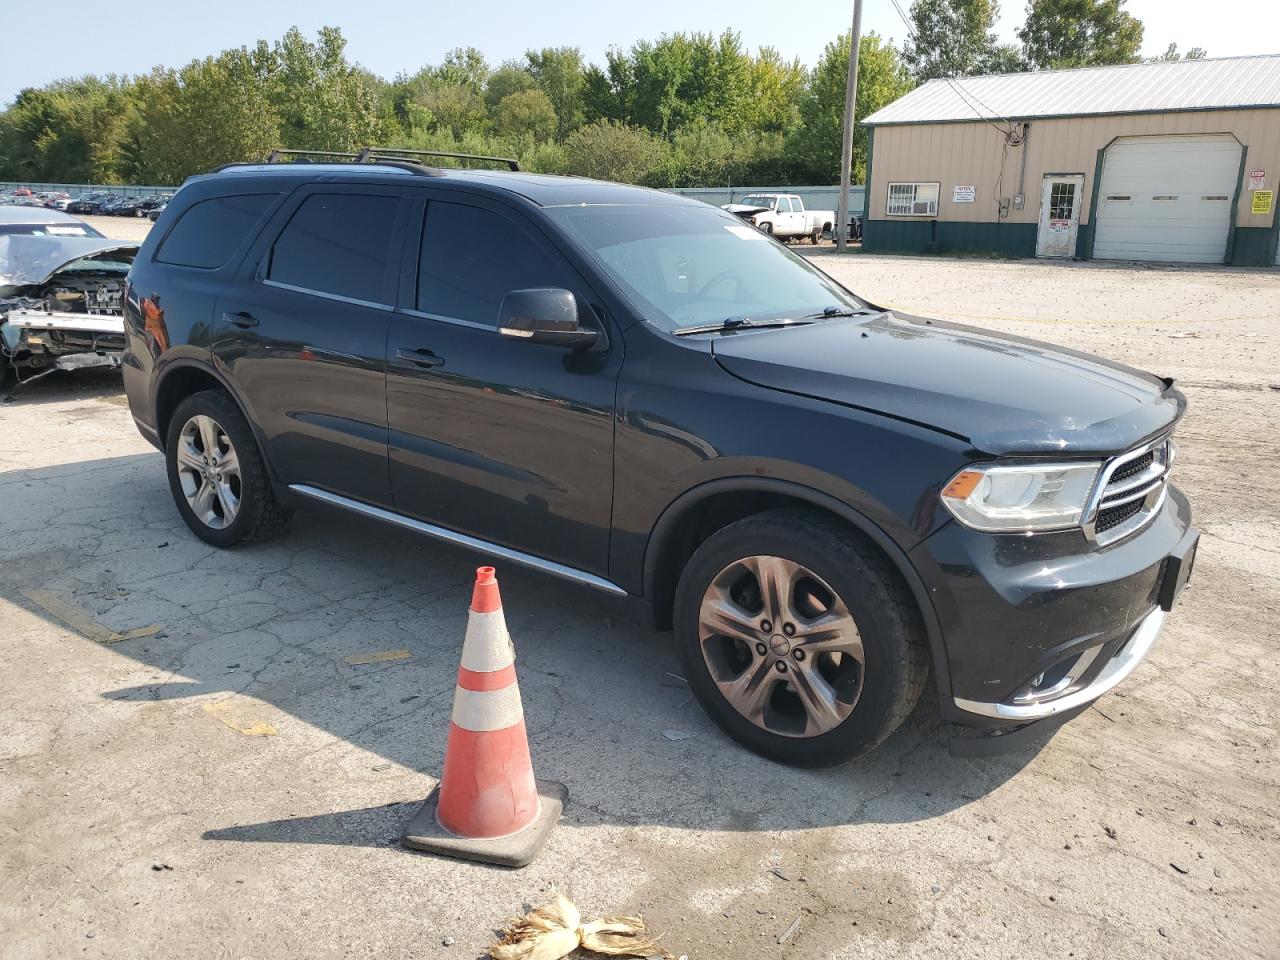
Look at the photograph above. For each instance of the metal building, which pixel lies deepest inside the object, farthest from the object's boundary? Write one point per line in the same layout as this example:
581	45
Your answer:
1172	162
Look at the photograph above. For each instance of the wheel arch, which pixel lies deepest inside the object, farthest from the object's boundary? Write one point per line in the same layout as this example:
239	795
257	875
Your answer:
675	536
181	379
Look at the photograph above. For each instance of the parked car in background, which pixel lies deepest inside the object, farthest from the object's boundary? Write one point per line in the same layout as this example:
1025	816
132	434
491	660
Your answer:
91	202
828	501
154	213
42	222
783	215
61	299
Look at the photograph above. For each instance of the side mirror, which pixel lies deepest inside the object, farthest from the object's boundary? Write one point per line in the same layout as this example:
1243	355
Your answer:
544	315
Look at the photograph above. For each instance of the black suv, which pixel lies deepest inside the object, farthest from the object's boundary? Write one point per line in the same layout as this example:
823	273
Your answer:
640	393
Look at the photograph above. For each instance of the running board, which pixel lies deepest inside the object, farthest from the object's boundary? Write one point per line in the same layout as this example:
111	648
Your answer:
461	539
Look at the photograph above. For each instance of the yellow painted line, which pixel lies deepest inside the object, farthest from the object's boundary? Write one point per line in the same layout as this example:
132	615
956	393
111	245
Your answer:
237	713
80	621
382	656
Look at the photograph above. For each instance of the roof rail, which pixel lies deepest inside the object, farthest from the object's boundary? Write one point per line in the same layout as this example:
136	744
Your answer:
285	156
398	156
371	154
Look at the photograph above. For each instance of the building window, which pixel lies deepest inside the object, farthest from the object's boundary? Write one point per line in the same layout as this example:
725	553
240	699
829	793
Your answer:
913	200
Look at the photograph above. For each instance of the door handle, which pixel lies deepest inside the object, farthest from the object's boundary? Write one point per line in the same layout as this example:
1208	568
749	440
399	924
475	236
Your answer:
420	357
242	319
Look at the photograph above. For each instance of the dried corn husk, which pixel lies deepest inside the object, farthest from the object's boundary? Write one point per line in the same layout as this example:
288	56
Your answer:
554	930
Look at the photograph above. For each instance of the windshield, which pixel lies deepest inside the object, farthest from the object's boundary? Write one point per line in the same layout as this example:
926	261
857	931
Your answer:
690	265
758	200
49	230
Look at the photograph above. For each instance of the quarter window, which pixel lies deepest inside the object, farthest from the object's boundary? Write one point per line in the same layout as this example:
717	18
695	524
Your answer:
472	258
913	200
338	244
212	230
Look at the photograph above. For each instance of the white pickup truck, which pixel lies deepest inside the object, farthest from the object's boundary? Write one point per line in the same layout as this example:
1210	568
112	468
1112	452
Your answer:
783	215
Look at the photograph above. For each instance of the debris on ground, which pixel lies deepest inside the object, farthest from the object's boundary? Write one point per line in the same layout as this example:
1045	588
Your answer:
1109	831
1179	867
777	872
554	930
677	735
790	931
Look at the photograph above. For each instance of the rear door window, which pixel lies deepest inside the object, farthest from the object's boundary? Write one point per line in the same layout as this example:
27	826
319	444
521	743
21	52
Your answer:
212	230
472	257
338	244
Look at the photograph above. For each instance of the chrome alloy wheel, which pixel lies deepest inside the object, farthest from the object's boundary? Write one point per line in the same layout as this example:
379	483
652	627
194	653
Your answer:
781	646
209	472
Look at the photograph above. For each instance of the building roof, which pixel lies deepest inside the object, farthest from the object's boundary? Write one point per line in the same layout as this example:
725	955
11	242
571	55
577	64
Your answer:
1238	82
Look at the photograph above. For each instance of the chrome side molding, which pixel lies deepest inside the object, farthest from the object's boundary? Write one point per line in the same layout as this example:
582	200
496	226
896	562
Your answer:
461	539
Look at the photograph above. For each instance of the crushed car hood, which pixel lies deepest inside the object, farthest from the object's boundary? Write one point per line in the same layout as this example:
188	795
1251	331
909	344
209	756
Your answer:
29	260
1005	395
743	210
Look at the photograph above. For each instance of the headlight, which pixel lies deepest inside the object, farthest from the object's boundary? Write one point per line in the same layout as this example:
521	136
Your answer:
1014	499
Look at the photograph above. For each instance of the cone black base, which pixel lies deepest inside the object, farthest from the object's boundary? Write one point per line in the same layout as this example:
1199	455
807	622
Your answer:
518	850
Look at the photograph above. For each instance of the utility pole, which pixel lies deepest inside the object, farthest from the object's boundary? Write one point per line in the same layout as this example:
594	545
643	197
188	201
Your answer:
846	149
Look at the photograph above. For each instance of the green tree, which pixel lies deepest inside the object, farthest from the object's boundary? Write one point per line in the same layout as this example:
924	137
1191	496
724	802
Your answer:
680	78
324	103
527	114
558	72
1079	33
882	78
73	130
211	112
507	79
776	90
954	38
1171	54
608	150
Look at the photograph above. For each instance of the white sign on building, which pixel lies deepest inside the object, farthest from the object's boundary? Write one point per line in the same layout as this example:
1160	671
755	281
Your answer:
963	193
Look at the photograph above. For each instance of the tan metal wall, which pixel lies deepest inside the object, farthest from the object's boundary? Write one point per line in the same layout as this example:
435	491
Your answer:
971	153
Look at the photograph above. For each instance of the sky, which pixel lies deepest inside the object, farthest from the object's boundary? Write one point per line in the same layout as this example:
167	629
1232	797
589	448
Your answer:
388	36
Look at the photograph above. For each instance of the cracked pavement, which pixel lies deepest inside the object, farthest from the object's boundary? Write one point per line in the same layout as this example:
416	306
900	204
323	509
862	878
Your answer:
232	788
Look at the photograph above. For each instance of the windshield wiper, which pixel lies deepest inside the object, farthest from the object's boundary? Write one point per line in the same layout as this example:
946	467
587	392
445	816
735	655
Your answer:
736	323
835	311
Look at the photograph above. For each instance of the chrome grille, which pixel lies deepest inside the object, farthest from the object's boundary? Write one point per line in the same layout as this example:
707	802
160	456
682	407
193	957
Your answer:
1130	492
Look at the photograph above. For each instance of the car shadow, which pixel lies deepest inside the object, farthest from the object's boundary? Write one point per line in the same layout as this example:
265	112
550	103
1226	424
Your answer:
59	386
266	633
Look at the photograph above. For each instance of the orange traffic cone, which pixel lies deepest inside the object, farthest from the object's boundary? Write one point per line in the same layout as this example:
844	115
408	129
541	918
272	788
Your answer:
488	805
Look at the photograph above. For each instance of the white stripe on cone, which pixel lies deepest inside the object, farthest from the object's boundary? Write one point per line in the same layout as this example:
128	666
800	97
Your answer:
483	711
487	646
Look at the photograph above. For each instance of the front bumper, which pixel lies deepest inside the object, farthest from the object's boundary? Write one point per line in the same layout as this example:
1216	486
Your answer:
1035	628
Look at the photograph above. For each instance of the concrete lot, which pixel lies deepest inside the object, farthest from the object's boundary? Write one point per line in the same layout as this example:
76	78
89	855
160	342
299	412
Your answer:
231	787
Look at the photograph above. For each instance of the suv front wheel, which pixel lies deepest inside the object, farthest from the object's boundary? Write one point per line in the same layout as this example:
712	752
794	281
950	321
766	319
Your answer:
216	473
798	638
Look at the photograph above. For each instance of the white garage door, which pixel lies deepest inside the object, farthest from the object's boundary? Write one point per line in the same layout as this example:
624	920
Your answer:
1167	199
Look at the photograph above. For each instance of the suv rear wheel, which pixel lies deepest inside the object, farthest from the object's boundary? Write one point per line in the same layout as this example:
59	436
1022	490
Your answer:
798	638
216	473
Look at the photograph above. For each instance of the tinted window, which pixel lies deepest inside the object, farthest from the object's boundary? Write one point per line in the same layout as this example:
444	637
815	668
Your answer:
472	258
338	244
211	230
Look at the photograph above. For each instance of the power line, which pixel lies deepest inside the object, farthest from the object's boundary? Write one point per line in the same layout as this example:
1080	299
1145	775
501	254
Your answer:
967	97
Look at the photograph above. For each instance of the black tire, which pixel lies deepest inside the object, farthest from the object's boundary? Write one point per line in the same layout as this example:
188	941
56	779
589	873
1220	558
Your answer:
896	663
767	227
260	515
816	236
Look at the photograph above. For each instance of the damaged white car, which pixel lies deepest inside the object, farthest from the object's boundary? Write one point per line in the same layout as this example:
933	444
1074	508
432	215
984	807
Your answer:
61	303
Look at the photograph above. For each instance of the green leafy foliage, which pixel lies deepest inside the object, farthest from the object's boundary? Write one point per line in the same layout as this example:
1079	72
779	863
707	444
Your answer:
955	38
1079	33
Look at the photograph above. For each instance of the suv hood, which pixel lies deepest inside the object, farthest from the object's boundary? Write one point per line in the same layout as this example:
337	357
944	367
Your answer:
31	260
1005	395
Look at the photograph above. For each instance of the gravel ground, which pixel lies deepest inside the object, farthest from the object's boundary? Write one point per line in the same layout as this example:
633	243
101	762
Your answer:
231	787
